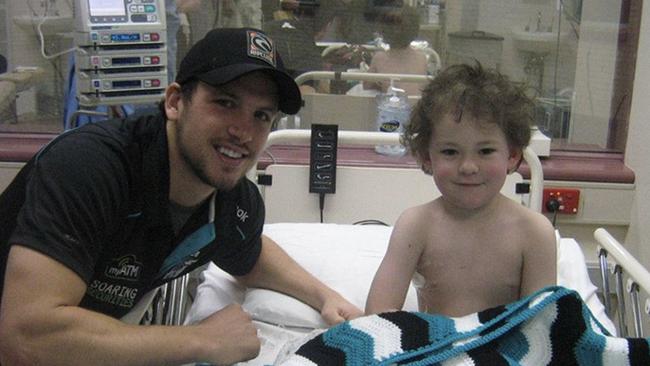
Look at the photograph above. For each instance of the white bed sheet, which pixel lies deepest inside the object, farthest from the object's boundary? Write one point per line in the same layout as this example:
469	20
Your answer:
345	257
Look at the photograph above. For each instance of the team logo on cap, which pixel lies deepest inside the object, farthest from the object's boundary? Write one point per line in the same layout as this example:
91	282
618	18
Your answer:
260	46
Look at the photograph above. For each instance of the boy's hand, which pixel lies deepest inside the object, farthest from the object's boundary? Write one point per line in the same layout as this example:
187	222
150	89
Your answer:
336	310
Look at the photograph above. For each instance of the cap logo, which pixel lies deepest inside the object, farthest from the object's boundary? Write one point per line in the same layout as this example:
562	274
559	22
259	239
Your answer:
261	47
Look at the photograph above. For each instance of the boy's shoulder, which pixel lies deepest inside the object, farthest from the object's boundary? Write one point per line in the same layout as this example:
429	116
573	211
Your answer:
525	214
526	223
420	216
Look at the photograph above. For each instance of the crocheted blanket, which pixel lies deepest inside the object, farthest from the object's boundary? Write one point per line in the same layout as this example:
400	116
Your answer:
550	327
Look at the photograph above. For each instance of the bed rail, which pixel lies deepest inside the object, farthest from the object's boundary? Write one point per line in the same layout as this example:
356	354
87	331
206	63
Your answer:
359	76
625	269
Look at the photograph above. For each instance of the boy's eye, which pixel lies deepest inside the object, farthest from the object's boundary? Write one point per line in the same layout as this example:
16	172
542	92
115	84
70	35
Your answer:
448	152
487	151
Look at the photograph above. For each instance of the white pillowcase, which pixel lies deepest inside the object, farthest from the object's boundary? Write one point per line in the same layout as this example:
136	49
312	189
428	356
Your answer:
276	308
344	257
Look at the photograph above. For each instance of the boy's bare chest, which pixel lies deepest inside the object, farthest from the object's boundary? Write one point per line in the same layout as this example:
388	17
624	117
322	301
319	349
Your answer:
470	270
473	257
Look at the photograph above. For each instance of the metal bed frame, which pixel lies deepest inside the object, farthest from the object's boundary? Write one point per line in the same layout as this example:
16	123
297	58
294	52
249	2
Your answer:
625	269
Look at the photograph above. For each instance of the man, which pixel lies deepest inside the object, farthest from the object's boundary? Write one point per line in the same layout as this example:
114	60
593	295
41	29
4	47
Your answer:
111	210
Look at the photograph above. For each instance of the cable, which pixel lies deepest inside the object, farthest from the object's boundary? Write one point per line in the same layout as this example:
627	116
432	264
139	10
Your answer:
370	222
273	159
39	30
554	218
42	39
321	204
553	206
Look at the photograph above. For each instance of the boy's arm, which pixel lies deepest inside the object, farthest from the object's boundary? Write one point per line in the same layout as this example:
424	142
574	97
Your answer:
540	257
41	323
392	280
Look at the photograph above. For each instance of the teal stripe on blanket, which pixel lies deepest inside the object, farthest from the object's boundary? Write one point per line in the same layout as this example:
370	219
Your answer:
356	344
516	347
441	327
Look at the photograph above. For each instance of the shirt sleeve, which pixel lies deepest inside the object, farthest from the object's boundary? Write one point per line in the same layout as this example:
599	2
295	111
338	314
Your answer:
73	198
238	253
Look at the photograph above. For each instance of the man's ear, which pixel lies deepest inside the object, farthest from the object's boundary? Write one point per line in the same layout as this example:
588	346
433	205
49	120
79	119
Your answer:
515	159
173	98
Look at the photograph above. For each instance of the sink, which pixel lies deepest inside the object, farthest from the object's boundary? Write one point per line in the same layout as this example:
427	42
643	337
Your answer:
535	42
52	25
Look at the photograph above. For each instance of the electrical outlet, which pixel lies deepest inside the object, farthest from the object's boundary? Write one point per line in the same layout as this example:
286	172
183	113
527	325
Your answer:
567	199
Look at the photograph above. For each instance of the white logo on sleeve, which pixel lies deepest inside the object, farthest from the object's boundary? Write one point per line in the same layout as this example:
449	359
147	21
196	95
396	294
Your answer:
242	214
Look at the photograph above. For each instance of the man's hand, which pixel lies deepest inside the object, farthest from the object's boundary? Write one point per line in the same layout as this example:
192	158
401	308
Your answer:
233	336
336	310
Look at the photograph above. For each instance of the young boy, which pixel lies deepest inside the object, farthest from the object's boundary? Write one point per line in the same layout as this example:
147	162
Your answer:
472	248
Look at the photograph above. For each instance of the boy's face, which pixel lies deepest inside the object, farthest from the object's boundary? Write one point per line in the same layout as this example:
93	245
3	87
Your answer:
469	161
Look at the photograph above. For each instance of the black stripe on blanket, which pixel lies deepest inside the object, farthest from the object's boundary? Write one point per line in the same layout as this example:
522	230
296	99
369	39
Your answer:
415	330
321	354
566	331
639	351
487	355
489	314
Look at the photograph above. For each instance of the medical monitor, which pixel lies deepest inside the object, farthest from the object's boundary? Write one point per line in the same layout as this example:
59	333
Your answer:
101	9
94	15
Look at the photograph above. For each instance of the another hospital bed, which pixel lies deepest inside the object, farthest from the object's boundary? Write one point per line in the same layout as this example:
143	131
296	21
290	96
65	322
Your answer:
345	256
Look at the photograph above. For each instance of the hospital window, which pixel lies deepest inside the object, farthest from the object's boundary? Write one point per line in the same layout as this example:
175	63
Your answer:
576	57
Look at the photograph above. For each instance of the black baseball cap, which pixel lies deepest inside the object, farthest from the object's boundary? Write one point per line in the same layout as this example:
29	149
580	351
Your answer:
225	54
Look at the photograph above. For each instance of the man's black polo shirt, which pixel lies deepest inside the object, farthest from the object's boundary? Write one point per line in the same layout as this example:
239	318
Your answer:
96	200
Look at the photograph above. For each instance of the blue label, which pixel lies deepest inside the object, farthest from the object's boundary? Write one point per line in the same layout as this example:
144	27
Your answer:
389	126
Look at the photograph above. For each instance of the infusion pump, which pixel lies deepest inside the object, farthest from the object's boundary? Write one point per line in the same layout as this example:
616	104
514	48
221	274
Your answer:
121	52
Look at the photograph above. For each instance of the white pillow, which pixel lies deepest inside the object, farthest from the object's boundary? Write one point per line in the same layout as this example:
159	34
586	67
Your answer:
217	289
276	308
344	257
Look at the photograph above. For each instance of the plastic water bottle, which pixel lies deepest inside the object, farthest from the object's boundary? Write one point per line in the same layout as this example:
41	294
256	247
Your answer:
393	112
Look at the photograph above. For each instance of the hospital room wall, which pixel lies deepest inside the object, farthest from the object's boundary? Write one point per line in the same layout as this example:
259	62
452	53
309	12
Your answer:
638	149
40	103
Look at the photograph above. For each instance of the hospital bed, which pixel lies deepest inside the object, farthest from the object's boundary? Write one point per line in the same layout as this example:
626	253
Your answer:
356	112
345	250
